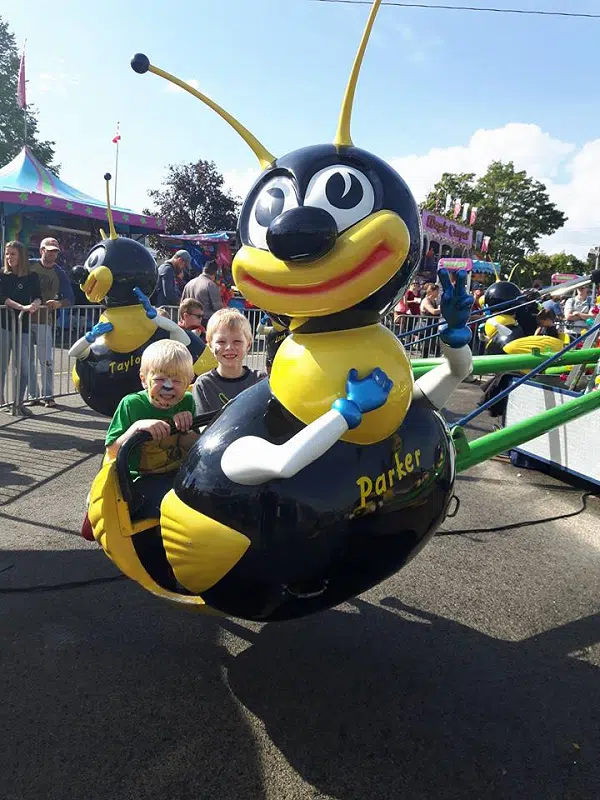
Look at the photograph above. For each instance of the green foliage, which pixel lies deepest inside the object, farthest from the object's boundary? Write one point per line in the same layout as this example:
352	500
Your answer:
513	209
456	185
542	266
11	116
192	200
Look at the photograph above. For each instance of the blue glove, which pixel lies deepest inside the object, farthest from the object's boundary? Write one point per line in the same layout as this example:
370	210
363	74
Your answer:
99	329
151	312
456	309
363	395
264	320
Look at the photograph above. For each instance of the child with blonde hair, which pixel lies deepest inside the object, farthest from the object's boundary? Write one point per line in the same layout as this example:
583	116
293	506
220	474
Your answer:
229	337
166	370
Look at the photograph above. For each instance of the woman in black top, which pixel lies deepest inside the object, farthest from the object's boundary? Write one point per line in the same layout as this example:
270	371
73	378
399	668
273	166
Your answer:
20	293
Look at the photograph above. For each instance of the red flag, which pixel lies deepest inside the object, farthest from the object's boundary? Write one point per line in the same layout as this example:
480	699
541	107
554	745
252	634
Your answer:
117	136
473	219
21	100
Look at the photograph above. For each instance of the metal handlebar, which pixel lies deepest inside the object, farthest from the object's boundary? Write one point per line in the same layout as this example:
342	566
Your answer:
138	438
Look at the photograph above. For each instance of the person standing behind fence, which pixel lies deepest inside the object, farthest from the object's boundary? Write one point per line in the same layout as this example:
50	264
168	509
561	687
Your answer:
204	289
191	313
167	290
577	311
430	309
57	292
20	292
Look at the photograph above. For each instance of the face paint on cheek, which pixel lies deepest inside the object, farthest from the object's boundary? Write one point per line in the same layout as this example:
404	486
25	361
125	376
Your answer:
163	393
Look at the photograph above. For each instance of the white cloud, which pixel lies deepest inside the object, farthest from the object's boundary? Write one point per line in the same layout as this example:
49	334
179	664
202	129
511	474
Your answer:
570	174
172	87
58	82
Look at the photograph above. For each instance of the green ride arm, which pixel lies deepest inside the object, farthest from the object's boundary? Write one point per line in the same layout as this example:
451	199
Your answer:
468	454
488	365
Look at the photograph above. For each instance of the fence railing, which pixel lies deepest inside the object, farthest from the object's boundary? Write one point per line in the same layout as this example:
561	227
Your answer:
35	365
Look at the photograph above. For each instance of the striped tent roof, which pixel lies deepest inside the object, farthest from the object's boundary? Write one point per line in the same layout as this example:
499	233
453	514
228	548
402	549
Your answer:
26	184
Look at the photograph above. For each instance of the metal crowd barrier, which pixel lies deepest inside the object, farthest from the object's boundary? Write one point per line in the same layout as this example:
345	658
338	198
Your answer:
35	363
34	353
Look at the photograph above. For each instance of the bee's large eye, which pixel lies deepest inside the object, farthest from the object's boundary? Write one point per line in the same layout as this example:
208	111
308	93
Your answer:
276	196
344	192
95	258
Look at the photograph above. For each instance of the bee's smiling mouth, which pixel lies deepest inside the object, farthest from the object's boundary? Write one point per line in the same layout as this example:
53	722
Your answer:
379	254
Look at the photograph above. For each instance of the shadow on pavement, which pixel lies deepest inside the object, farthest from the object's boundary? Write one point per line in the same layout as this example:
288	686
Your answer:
397	703
109	693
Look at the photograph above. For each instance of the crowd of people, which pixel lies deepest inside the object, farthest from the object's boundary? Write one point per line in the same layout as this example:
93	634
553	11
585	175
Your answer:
557	315
176	283
33	289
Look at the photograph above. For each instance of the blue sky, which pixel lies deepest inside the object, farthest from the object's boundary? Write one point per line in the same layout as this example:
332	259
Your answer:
438	90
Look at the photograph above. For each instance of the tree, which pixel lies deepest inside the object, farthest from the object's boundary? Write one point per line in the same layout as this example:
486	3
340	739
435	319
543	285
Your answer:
456	185
192	199
543	266
11	116
514	210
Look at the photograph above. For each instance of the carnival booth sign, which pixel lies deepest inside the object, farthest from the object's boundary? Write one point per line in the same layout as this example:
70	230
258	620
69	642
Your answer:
443	228
564	277
455	264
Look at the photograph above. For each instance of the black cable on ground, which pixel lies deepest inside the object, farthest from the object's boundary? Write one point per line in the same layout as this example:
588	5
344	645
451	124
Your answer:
58	586
524	524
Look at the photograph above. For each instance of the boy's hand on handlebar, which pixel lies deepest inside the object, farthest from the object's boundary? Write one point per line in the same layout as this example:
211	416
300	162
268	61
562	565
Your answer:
157	428
183	421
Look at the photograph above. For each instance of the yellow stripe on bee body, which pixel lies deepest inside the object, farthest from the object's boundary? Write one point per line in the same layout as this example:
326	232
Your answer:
527	344
199	549
502	319
114	531
131	328
205	362
310	372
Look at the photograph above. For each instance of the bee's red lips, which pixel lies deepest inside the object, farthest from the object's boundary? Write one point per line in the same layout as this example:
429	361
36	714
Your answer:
380	253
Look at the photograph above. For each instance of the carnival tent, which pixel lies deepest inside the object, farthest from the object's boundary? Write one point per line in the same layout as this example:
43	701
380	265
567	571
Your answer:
486	267
29	189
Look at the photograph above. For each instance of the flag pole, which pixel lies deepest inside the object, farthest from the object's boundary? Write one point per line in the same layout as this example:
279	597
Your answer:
21	92
116	140
116	172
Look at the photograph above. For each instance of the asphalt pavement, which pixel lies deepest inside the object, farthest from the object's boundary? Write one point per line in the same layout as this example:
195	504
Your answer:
472	673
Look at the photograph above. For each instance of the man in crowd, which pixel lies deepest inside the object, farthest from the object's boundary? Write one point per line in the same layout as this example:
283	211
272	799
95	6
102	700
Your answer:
577	310
167	291
205	291
57	292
